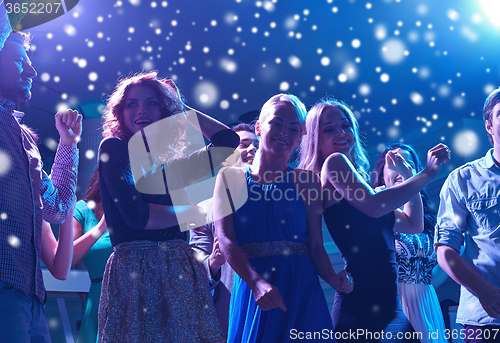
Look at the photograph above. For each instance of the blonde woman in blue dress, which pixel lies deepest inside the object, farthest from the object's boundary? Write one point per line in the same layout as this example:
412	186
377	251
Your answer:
273	241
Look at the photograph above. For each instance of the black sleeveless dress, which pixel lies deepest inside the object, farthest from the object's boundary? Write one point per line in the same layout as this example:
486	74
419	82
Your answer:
373	309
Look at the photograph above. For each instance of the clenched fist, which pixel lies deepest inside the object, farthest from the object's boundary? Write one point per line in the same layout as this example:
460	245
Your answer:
69	126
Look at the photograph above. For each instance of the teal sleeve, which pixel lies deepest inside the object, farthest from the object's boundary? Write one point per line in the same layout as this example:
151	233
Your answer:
78	213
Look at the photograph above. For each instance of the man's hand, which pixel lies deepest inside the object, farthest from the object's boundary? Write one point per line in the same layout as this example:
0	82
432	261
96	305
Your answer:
453	264
489	297
69	126
216	258
197	217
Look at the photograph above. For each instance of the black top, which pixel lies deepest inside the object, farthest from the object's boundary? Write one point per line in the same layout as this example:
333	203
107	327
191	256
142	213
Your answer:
365	243
368	249
126	209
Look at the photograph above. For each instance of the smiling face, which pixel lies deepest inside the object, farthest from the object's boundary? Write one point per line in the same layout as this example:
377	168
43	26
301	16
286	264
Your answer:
280	131
244	154
247	147
335	133
142	108
493	126
391	177
17	73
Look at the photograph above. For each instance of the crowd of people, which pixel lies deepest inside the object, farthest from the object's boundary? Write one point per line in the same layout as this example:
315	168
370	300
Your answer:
248	269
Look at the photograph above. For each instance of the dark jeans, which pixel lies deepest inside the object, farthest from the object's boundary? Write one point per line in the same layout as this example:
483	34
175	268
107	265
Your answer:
479	334
22	318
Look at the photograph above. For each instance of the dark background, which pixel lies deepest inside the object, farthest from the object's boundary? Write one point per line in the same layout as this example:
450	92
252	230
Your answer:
229	57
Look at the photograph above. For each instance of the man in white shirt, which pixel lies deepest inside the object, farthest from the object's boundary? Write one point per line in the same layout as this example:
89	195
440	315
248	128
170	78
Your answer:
469	213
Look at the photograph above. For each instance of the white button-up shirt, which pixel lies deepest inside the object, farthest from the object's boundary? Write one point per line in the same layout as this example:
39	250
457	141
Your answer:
469	213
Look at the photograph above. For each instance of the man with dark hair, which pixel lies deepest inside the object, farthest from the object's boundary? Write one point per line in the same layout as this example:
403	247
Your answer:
28	195
245	152
220	272
469	212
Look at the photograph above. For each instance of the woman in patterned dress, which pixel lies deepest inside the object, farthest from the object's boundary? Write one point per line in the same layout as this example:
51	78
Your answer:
414	252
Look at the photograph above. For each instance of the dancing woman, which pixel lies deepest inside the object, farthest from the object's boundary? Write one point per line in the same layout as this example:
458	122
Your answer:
361	221
93	246
153	287
273	239
414	252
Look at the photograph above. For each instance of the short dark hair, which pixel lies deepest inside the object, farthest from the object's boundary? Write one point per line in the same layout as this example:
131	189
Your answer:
243	127
19	37
491	101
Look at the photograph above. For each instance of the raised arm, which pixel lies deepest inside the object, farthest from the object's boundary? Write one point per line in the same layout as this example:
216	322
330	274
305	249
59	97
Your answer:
58	190
411	218
315	248
266	295
340	172
58	254
115	171
206	124
83	242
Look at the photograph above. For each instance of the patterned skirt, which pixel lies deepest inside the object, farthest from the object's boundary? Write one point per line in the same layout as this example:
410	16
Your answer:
156	292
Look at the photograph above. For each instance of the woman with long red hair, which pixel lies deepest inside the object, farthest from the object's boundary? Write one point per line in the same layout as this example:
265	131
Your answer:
153	288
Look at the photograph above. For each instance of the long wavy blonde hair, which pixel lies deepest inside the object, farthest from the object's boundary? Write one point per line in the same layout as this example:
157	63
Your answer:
310	156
